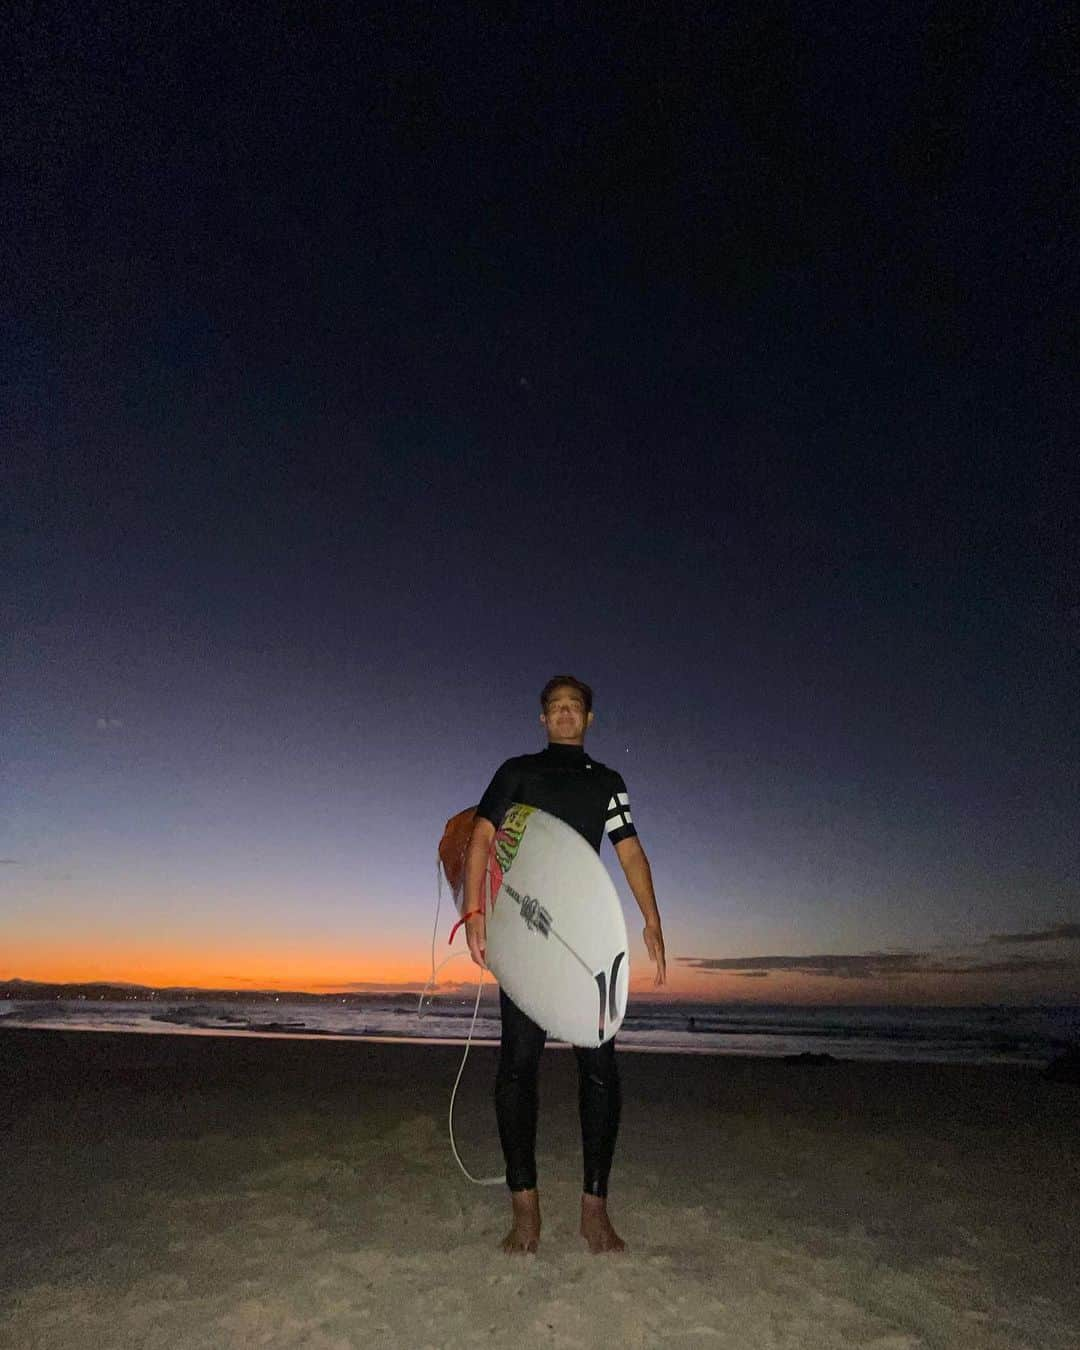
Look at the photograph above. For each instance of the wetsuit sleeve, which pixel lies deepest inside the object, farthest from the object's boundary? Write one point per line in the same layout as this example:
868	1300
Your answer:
499	793
619	824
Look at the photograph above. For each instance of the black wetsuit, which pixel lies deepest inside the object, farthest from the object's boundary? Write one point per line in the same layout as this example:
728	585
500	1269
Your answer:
591	798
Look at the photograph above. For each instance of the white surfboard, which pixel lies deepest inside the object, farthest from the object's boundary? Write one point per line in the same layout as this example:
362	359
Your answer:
556	937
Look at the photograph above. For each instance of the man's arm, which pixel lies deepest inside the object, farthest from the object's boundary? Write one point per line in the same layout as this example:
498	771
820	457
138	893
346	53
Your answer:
475	863
498	795
635	866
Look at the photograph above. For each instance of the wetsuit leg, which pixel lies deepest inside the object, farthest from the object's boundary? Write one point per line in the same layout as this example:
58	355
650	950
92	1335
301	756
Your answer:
516	1101
600	1104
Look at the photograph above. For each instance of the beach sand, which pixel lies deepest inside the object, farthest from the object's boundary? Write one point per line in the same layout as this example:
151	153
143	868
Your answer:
203	1193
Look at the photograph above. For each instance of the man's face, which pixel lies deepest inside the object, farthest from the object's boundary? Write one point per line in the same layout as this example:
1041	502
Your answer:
565	717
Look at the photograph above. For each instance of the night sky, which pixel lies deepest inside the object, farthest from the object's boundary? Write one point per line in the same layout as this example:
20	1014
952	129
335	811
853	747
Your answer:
364	368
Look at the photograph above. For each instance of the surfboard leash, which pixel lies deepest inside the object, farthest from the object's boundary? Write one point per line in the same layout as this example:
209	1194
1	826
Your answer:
477	1181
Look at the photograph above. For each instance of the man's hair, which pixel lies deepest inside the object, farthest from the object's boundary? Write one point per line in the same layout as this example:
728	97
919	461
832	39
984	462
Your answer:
563	682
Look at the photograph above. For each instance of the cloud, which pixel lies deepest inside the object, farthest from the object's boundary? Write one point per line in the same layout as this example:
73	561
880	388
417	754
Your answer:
1060	932
853	967
974	960
1016	965
871	965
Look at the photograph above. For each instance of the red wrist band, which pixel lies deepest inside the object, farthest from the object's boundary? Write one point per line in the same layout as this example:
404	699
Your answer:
460	921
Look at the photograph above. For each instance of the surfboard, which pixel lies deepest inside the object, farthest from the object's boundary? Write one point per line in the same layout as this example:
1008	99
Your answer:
556	937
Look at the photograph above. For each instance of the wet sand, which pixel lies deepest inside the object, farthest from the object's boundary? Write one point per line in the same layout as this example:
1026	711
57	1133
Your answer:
201	1193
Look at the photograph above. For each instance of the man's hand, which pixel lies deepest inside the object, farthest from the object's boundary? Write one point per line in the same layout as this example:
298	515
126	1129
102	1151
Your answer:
654	944
635	865
476	937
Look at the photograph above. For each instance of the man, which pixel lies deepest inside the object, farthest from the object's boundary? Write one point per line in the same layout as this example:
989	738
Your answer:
591	798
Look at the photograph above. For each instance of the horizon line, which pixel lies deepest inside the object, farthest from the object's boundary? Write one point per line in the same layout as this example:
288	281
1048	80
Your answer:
414	990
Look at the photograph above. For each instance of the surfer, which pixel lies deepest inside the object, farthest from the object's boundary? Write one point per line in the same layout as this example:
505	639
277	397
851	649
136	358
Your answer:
591	798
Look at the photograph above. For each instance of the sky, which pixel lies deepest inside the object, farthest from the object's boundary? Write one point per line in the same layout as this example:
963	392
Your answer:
363	369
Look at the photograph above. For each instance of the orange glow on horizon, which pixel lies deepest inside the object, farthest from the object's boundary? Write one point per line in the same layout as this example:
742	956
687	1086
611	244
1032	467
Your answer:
308	971
321	969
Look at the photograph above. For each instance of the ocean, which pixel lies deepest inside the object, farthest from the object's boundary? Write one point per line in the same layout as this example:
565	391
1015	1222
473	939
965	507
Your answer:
979	1035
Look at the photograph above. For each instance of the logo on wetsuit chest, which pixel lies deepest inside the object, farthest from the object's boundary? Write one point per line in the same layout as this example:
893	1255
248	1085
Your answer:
536	917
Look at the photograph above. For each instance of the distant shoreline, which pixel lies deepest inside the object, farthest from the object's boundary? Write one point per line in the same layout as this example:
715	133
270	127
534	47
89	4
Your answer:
481	1042
21	991
1031	1037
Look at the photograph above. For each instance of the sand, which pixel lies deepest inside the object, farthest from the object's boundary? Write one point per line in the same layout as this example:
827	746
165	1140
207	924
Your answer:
202	1193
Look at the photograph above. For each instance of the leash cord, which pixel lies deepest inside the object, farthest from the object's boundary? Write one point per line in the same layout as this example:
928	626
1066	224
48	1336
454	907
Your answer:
477	1181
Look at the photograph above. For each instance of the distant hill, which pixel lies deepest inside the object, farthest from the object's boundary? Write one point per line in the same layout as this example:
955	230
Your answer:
120	993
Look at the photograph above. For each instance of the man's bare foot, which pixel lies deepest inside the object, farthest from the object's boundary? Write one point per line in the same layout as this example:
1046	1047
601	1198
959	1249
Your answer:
524	1236
596	1227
